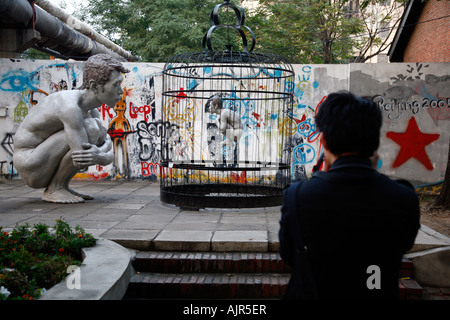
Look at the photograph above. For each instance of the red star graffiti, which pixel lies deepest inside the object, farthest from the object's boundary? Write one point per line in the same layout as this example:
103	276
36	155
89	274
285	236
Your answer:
412	144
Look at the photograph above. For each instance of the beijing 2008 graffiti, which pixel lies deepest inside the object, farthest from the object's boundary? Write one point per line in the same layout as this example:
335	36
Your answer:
414	100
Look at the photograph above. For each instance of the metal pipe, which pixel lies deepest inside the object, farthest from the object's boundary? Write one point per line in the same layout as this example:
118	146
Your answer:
21	12
82	27
16	11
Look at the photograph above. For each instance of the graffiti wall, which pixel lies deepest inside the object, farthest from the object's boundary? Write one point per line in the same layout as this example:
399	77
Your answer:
414	99
130	122
312	85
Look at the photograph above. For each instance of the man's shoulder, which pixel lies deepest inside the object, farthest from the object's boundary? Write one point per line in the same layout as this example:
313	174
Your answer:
398	191
68	96
305	189
225	112
65	101
402	184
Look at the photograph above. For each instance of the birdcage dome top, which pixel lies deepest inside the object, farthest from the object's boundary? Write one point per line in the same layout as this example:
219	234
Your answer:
228	57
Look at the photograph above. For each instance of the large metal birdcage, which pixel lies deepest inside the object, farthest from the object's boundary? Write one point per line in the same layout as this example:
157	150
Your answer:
225	119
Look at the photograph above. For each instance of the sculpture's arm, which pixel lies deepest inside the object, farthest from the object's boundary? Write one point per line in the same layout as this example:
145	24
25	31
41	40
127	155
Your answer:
74	129
106	147
223	122
84	154
106	153
90	154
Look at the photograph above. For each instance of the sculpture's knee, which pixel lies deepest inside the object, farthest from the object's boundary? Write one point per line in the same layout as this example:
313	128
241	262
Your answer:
95	131
92	130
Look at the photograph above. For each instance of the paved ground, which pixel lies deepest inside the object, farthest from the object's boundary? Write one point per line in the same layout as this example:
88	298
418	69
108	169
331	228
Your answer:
131	214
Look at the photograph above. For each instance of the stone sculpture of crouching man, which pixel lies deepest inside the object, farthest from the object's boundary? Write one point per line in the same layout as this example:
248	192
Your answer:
63	133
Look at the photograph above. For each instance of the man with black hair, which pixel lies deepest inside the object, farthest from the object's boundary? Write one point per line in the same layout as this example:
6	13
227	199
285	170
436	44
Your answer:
352	223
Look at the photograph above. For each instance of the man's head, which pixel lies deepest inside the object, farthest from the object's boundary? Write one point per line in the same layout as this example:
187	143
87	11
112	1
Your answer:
214	104
99	68
349	124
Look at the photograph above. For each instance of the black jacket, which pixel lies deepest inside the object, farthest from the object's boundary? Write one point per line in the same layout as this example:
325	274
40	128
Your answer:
351	217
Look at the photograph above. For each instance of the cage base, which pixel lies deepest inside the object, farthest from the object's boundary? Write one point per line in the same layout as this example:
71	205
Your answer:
200	196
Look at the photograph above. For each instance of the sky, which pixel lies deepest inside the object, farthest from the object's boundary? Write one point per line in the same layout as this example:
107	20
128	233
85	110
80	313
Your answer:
73	7
69	6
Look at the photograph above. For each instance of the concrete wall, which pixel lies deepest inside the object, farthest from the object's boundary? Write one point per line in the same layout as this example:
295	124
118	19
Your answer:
414	98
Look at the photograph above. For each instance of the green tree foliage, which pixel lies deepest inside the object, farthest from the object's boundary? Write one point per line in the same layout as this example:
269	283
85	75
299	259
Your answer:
380	20
155	30
305	31
308	31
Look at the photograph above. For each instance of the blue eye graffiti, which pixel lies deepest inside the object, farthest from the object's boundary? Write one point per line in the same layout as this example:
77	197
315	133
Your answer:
17	81
20	80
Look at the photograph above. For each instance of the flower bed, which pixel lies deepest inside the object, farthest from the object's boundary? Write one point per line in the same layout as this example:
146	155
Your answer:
33	260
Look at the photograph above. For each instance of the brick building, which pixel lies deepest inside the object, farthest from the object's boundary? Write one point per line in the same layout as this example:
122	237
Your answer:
424	33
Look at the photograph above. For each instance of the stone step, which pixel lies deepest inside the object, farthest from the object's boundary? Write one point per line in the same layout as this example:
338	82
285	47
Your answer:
177	262
409	289
407	268
225	275
209	262
147	285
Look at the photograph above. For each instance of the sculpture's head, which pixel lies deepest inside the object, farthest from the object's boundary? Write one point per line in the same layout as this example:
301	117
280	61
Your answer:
215	104
102	72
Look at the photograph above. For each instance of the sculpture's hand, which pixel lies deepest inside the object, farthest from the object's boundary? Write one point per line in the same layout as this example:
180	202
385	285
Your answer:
91	155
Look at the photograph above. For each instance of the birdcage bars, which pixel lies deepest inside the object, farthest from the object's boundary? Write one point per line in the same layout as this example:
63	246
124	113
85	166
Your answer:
225	116
195	168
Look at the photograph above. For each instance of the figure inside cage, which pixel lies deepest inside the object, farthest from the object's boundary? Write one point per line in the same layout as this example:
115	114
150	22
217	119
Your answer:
228	122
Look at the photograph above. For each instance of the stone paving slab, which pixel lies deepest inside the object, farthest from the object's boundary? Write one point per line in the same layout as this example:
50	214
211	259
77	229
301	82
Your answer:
241	240
137	239
131	213
183	240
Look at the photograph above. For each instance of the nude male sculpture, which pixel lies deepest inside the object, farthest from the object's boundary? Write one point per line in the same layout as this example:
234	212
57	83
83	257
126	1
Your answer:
230	124
63	133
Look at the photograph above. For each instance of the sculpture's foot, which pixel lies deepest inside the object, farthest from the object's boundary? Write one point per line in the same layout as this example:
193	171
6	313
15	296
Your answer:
61	196
81	195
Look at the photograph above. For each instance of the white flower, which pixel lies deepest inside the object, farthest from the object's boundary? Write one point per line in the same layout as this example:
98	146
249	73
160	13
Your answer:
4	291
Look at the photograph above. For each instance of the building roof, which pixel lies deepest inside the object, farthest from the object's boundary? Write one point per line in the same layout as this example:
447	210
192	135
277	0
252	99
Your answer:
408	22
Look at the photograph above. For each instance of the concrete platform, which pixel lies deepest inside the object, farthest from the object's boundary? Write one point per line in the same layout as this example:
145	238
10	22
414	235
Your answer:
130	213
104	275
